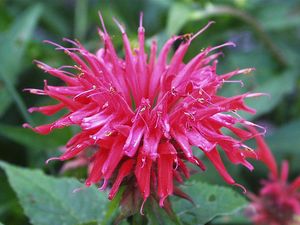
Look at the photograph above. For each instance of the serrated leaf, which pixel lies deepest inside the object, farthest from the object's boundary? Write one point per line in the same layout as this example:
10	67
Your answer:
210	201
12	48
50	201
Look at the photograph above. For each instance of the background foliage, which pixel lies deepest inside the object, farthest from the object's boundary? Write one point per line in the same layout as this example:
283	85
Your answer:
267	34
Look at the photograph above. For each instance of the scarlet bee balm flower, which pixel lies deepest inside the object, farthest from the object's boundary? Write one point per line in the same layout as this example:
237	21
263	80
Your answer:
278	201
144	113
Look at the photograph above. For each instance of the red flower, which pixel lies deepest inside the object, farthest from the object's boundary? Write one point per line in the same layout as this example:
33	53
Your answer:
278	202
144	113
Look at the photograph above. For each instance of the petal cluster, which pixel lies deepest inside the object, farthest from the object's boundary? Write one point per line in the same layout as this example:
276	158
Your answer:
143	113
278	201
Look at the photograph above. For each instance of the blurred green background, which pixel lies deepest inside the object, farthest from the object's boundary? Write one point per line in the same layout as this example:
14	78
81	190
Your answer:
266	32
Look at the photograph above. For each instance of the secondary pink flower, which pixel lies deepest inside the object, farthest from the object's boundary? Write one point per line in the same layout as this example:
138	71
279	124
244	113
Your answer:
144	112
278	201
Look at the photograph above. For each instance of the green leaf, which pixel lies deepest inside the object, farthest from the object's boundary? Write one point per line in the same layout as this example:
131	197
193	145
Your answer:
285	143
210	201
278	17
286	137
9	207
238	218
81	13
158	216
26	136
12	48
50	201
56	21
179	14
277	88
124	222
90	223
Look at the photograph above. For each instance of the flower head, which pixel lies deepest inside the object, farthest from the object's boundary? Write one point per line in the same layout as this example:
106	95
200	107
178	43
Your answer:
144	113
278	201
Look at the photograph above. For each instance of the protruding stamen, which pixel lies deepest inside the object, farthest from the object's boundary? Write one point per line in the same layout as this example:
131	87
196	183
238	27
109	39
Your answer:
234	81
202	30
247	70
264	131
53	158
104	185
75	43
251	95
122	29
229	43
102	22
26	125
161	201
241	186
35	91
142	207
176	163
141	20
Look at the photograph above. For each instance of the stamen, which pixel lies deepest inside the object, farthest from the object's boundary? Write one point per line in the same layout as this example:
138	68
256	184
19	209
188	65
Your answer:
190	115
142	208
75	43
26	125
83	93
122	29
176	163
200	100
247	148
53	158
229	43
112	89
264	130
202	30
173	91
102	22
161	201
201	91
241	186
143	161
247	70
141	20
105	105
233	81
35	91
103	187
108	133
257	95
